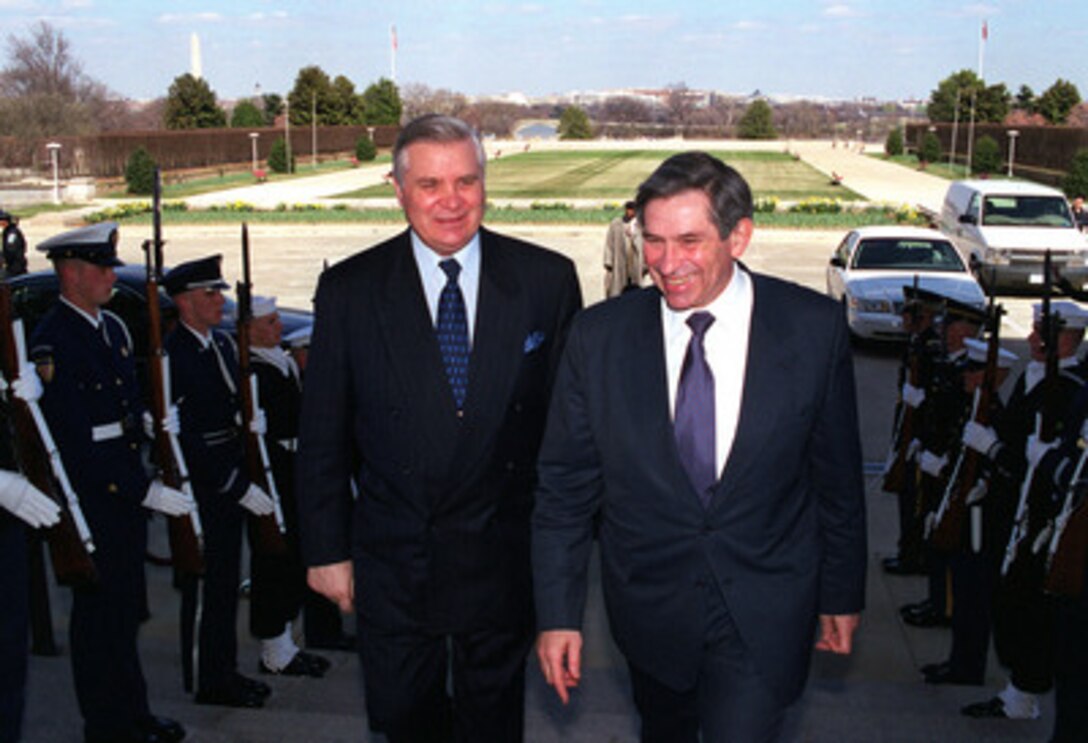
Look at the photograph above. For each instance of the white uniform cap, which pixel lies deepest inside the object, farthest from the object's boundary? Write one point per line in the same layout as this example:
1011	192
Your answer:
977	349
1072	315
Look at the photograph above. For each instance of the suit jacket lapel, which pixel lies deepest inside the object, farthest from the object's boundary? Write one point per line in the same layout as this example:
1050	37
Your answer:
766	380
413	349
497	340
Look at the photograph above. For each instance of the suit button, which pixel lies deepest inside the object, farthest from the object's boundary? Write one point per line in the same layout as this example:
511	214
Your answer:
118	382
517	407
112	487
509	466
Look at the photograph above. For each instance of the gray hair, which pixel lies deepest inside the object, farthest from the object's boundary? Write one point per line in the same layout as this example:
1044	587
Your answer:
729	195
434	128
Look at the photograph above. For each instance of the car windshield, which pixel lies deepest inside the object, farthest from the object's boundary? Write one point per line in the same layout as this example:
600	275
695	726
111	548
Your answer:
890	254
1026	211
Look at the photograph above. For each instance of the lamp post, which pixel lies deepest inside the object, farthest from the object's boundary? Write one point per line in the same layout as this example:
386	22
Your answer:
1012	134
253	137
54	155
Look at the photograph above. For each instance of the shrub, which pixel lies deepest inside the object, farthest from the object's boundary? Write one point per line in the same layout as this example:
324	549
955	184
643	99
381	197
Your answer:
140	173
930	151
817	206
277	157
1076	182
893	145
987	155
365	151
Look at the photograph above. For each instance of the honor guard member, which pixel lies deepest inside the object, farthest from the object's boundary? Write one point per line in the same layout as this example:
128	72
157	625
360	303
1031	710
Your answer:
204	374
278	580
920	310
14	245
946	409
1022	620
972	571
93	406
21	506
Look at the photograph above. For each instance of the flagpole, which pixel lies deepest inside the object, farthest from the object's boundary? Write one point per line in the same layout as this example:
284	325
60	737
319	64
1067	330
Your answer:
393	52
982	48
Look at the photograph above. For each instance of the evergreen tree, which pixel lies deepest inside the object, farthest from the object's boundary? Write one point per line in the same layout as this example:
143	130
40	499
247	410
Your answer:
987	155
930	151
574	124
893	145
757	122
1057	101
382	103
191	104
1076	182
246	115
140	173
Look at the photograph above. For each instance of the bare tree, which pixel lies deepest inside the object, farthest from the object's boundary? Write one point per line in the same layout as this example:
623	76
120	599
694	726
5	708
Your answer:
419	99
44	91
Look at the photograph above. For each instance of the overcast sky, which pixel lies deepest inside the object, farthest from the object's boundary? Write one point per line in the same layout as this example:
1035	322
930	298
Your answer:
889	49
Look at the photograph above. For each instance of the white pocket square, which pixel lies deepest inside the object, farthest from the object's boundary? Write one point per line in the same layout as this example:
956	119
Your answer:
533	341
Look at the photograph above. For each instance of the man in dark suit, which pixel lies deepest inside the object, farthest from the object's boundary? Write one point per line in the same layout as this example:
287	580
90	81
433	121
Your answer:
428	383
724	475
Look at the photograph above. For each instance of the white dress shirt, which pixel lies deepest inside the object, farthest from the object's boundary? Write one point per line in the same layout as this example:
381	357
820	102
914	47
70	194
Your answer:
434	278
726	345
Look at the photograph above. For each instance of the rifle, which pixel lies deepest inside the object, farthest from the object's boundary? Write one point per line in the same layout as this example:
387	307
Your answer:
947	532
267	530
903	428
1068	551
1024	563
186	534
70	542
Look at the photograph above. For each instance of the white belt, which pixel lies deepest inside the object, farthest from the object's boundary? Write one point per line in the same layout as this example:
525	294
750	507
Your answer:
106	432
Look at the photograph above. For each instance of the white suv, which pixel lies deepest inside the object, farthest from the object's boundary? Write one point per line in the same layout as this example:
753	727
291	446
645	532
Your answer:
1004	228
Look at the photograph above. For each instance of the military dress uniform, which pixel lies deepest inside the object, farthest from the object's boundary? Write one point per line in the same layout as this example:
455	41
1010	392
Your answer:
278	583
93	405
1022	618
204	374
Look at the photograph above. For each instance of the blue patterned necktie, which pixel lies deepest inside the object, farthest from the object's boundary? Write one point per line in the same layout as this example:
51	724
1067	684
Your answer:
694	419
453	332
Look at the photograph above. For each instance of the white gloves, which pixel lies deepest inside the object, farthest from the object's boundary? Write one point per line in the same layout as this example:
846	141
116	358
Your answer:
167	500
1036	449
912	449
931	464
977	493
978	437
912	396
259	423
28	385
257	502
26	501
170	422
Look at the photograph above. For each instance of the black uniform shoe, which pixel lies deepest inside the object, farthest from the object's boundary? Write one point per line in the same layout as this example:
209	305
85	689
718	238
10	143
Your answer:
163	728
232	694
340	643
929	618
258	688
303	664
990	708
930	668
948	676
896	566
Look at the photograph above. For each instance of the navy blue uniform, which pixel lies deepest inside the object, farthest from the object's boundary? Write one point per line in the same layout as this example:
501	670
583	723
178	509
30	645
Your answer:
279	581
93	406
205	390
14	619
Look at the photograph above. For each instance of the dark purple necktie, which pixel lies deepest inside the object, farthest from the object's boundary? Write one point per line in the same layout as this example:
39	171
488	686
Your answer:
694	420
453	332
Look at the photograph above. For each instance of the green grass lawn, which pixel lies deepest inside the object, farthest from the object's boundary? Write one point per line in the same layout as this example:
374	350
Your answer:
615	174
941	169
236	179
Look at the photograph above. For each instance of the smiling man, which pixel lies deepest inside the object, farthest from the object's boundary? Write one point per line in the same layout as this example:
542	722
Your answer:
724	475
430	369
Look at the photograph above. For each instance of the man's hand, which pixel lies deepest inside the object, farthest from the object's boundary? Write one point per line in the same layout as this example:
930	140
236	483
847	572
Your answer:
560	655
336	582
837	632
